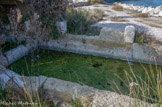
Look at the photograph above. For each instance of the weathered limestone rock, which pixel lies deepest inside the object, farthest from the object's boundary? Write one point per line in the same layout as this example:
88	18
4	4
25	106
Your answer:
2	69
147	54
33	85
160	13
8	75
129	34
16	53
27	25
111	99
62	26
3	60
157	9
145	10
68	91
112	35
93	46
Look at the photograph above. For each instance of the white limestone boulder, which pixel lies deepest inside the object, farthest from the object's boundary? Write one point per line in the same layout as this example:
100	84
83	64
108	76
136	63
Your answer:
145	10
157	9
129	34
160	13
34	84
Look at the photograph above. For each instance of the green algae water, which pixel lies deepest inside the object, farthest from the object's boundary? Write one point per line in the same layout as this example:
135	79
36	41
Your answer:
102	73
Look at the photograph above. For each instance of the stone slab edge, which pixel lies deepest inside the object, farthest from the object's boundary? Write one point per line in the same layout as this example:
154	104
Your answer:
64	91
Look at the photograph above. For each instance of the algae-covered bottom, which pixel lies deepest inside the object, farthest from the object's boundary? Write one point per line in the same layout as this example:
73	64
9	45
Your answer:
102	73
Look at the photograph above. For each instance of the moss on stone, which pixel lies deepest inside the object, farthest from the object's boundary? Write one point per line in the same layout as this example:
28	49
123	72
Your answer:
103	43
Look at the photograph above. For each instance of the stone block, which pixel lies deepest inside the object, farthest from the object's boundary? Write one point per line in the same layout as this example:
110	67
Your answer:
62	26
34	84
147	54
67	91
129	34
112	35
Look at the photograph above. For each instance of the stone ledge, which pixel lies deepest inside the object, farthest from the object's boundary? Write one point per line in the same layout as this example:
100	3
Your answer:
147	53
63	91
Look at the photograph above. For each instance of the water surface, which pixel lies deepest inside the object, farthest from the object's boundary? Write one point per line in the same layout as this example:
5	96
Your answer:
146	3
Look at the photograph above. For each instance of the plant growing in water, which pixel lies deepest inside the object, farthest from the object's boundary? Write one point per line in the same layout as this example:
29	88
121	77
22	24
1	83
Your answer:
147	88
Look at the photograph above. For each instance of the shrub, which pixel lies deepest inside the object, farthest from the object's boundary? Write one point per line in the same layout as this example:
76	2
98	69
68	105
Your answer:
92	2
139	37
42	16
142	37
54	9
80	21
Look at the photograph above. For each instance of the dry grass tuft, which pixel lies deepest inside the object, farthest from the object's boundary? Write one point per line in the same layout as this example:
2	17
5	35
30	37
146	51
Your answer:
119	20
150	24
141	15
118	8
153	21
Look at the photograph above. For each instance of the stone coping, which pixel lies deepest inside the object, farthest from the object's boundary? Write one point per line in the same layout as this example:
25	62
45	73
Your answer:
63	92
60	91
114	47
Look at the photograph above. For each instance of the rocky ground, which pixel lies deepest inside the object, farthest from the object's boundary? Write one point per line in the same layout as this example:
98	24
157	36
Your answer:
119	19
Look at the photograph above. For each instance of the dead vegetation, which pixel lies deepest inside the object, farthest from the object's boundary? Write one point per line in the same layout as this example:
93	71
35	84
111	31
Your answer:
141	15
153	20
117	8
96	2
37	18
119	20
150	24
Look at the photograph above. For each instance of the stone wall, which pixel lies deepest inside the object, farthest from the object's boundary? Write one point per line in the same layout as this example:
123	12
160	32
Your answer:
112	47
61	93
